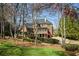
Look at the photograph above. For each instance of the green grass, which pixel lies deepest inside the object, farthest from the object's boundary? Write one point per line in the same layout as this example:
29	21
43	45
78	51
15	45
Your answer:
43	52
12	50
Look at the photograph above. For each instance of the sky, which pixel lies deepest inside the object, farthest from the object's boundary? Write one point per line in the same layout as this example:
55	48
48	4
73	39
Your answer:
55	17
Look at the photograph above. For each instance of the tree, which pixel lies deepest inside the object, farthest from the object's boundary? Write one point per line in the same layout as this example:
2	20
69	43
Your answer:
64	9
36	11
5	12
71	24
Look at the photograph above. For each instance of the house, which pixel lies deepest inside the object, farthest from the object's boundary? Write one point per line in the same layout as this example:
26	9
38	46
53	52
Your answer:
44	28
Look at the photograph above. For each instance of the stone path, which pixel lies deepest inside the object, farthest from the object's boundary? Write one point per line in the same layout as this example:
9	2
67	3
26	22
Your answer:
67	40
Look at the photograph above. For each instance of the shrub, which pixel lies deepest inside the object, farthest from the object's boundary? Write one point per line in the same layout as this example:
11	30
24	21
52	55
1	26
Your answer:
27	39
71	47
7	44
41	39
54	41
48	40
32	37
72	37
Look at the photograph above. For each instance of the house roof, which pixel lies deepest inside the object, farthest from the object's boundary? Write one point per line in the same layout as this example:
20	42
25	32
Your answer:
29	25
38	21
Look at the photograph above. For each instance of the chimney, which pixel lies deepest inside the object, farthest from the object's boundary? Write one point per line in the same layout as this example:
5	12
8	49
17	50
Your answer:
45	19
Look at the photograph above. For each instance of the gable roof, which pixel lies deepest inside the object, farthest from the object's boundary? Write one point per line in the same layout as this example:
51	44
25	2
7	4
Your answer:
29	25
38	21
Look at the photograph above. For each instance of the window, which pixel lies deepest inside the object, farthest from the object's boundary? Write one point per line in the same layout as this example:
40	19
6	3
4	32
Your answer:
41	24
40	35
38	25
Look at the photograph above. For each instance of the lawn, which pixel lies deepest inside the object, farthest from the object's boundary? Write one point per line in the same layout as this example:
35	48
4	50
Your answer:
8	49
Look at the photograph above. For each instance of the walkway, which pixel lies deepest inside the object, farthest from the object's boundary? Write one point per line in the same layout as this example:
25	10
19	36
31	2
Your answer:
67	40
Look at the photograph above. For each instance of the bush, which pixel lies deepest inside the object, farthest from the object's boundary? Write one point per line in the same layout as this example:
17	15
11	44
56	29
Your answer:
32	37
71	47
48	40
72	37
7	44
42	39
27	39
54	41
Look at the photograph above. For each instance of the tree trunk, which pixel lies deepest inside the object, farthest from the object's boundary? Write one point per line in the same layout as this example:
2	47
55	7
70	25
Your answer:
61	28
14	27
3	20
1	29
34	17
11	31
64	33
23	22
19	24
